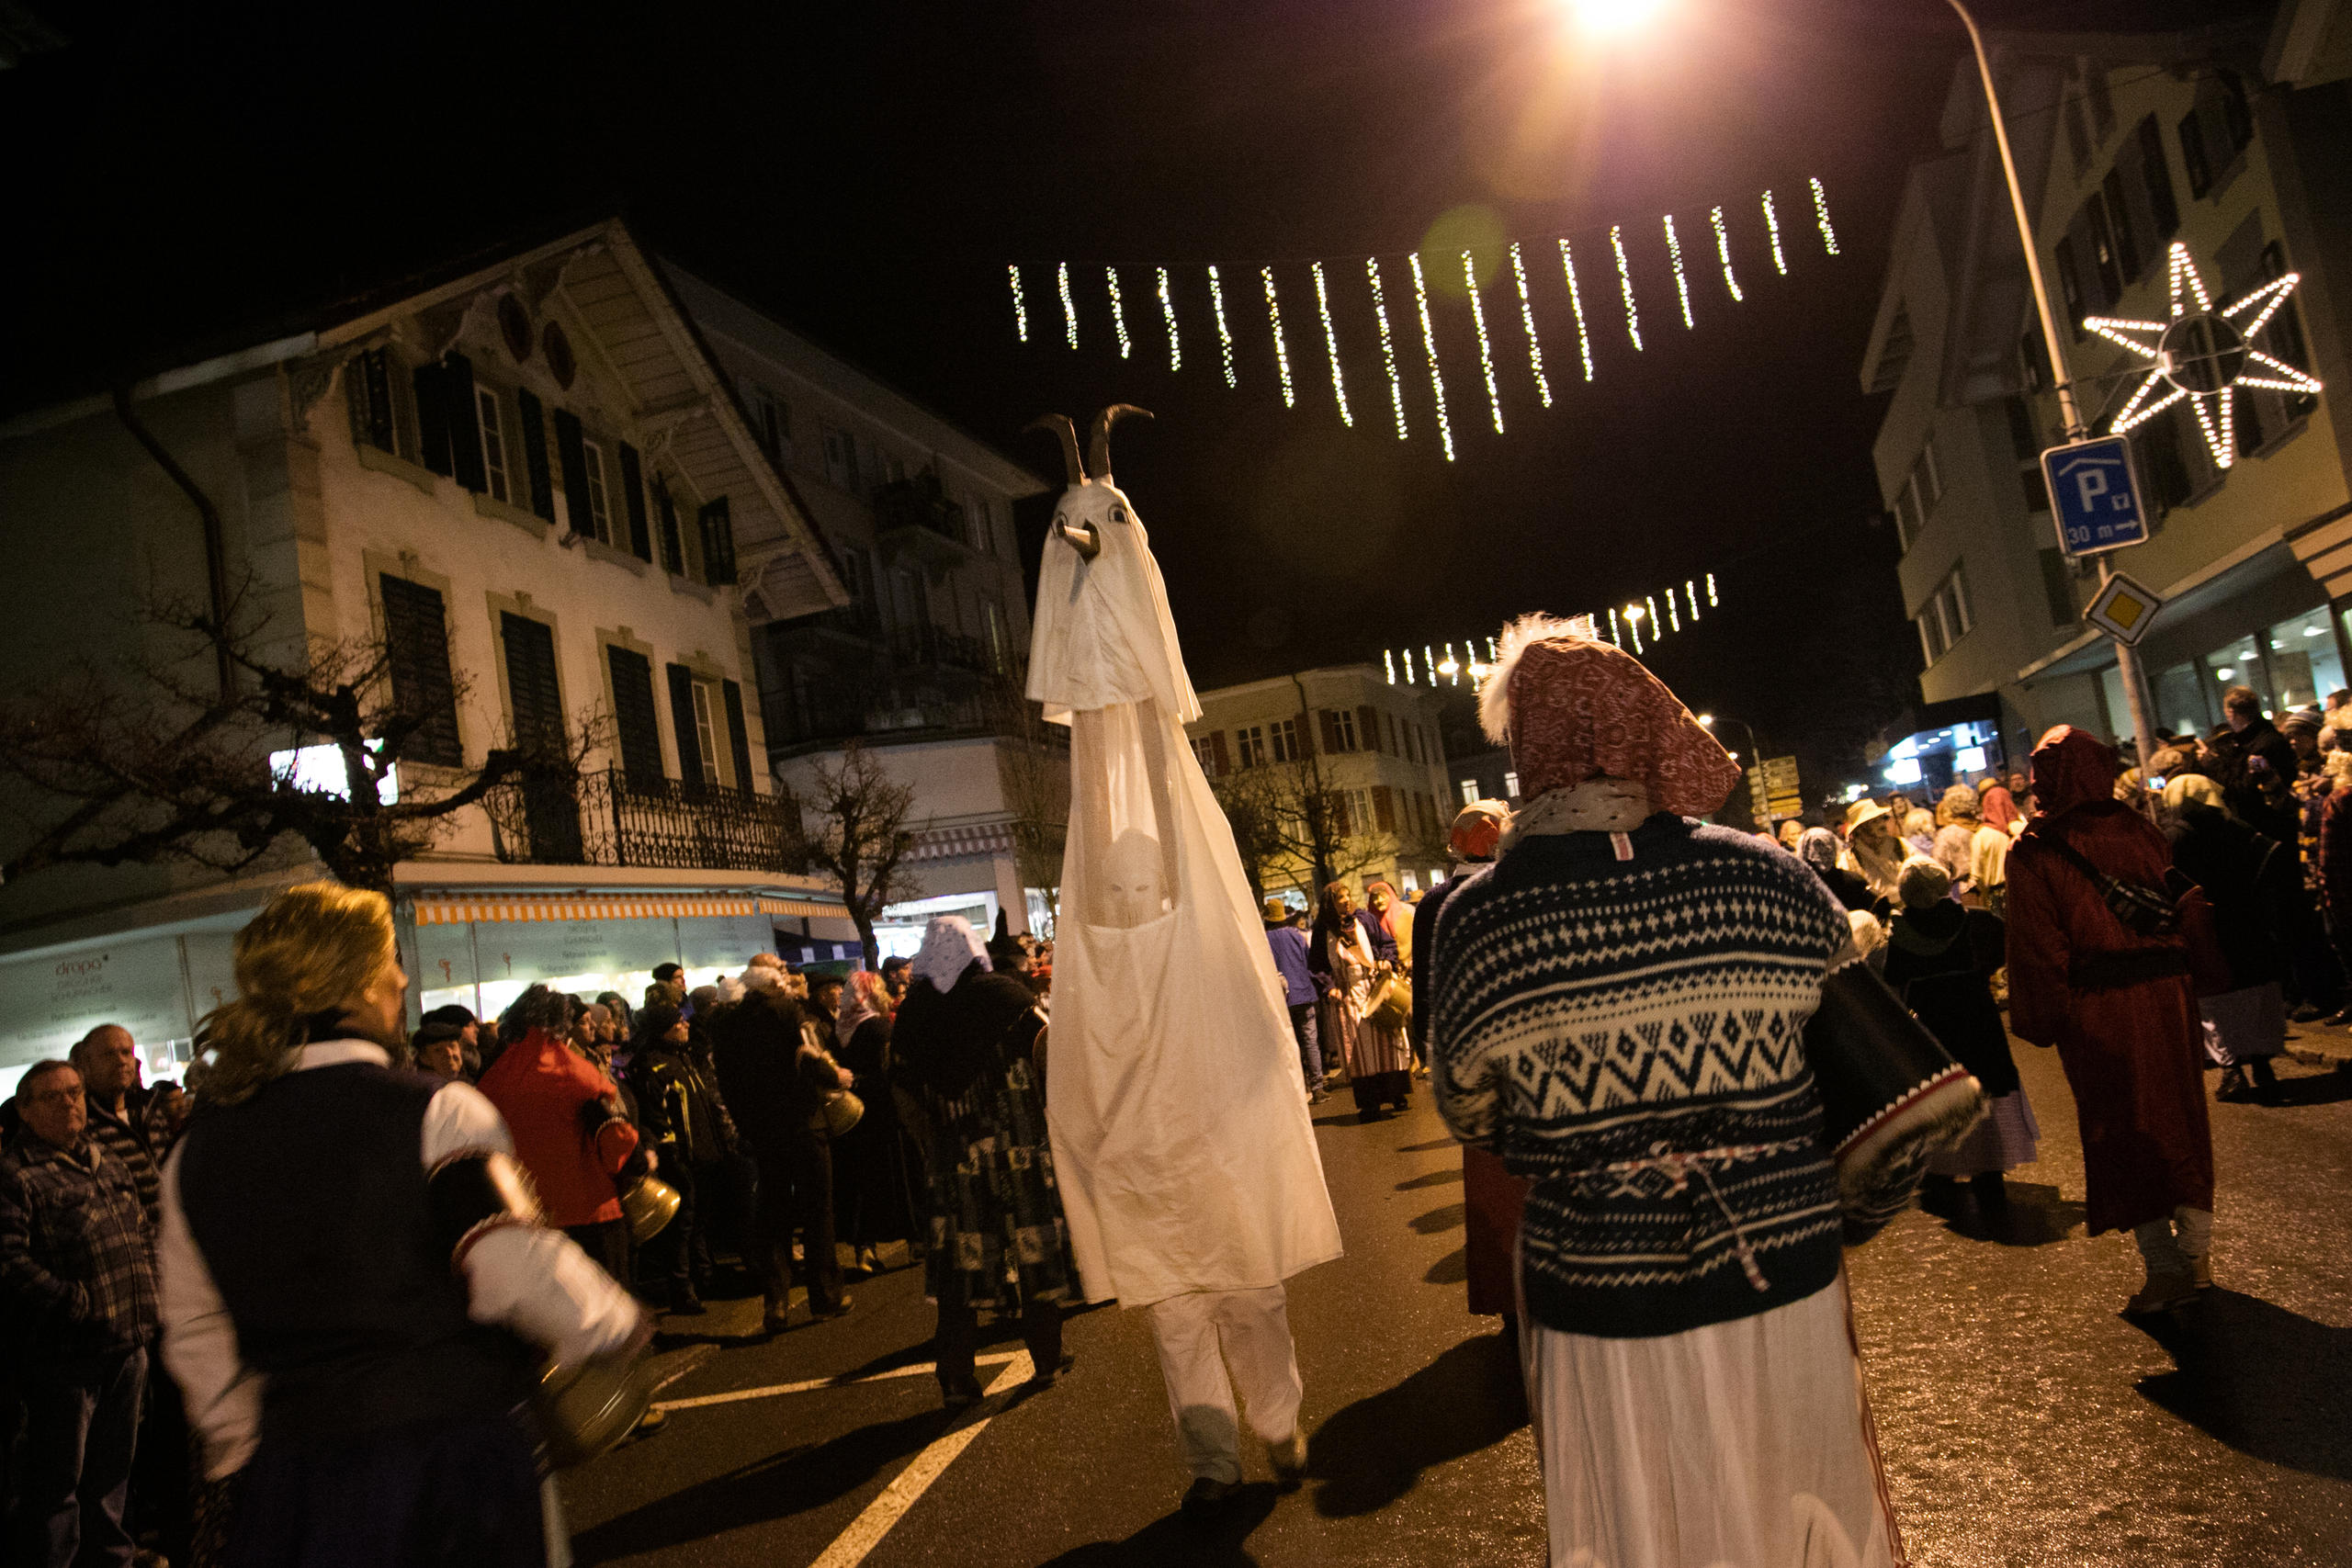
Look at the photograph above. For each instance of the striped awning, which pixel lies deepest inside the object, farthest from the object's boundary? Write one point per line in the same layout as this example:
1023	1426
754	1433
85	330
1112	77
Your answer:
457	909
803	907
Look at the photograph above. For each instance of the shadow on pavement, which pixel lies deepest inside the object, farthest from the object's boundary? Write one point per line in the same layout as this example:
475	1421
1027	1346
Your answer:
1449	1218
1373	1452
2038	1215
1434	1145
1434	1178
2314	1088
2269	1383
1213	1542
788	1481
1454	1268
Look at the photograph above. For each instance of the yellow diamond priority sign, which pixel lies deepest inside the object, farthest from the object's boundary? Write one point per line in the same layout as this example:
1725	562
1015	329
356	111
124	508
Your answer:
2124	610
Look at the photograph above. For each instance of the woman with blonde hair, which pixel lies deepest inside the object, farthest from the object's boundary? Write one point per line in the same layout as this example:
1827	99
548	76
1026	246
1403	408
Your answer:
356	1286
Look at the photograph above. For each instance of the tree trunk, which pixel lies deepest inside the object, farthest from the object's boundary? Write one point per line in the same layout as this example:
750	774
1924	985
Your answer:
864	923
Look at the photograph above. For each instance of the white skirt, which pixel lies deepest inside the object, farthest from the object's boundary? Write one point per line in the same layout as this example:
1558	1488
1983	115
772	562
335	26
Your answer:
1739	1445
2007	1138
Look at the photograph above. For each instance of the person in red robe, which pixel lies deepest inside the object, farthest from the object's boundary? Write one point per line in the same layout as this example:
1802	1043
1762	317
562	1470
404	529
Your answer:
2121	1009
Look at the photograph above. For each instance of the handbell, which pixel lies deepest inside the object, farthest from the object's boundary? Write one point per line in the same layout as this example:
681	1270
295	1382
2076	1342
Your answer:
585	1408
650	1206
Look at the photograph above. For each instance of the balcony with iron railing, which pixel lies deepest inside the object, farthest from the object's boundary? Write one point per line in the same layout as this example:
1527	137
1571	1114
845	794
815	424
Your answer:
914	517
557	818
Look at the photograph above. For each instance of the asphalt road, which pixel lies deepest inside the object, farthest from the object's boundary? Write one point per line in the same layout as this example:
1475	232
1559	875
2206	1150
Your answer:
2023	1420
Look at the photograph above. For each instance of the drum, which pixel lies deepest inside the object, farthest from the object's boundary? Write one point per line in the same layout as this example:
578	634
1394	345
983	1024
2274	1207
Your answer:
1891	1095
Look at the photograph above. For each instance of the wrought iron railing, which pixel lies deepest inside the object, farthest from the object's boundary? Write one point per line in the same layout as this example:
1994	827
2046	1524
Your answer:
601	818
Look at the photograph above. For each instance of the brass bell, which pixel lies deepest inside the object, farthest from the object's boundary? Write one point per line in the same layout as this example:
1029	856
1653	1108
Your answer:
650	1206
584	1409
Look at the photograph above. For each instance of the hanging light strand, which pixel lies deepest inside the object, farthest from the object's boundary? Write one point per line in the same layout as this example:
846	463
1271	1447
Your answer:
1821	216
1527	319
1576	303
1331	347
1119	313
1223	337
1428	346
1167	314
1020	304
1691	592
1282	350
1723	253
1069	305
1387	351
1626	284
1772	227
1711	589
1486	347
1682	283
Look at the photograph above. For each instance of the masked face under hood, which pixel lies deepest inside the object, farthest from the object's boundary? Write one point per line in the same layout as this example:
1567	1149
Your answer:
2071	767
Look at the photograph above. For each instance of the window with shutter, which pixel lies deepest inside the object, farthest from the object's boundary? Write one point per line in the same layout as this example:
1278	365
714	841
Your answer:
1389	721
692	761
1284	738
2192	155
535	698
431	384
535	469
665	517
641	733
600	503
1368	727
1216	750
2070	285
368	378
2155	177
738	736
490	422
715	527
462	410
1340	827
640	532
2122	224
416	646
571	454
1384	809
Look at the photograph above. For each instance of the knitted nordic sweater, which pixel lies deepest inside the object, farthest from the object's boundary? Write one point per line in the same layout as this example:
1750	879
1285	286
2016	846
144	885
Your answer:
1590	1011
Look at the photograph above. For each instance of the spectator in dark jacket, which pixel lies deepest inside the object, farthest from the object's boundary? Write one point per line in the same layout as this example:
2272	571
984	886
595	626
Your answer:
775	1083
1289	943
108	1062
2255	767
665	1082
77	1283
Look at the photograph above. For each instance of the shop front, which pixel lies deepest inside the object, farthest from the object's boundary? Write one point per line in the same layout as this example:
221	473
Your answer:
1937	745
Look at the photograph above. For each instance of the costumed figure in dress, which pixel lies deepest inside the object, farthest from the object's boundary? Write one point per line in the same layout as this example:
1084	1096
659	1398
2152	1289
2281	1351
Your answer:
1491	1196
1939	959
356	1288
1188	1165
877	1197
1352	955
2255	887
2119	1006
1621	1002
967	1072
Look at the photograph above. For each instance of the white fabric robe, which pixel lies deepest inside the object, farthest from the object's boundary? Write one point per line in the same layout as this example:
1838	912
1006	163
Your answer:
1182	1141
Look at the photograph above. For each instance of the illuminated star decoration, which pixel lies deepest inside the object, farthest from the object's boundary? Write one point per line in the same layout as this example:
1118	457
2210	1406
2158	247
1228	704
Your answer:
2213	408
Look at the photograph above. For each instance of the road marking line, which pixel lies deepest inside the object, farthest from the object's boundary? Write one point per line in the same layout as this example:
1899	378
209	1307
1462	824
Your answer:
867	1530
917	1369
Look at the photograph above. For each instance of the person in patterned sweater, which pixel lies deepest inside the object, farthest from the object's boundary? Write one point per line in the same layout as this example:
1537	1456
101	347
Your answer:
1619	1011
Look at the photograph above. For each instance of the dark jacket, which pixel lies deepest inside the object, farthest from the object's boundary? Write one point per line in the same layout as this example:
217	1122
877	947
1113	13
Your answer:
678	1106
1938	960
1384	945
2257	767
1289	945
773	1084
2252	883
78	1266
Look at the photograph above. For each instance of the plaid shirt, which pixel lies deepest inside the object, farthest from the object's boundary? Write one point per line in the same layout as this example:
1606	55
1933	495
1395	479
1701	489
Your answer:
77	1271
127	1141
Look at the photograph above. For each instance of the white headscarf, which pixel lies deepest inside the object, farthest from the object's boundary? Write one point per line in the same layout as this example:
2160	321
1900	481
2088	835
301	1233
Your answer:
949	945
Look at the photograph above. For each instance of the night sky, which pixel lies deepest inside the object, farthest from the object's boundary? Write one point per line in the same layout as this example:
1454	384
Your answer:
864	172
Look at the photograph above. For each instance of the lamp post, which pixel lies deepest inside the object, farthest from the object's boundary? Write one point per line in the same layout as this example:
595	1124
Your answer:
2127	662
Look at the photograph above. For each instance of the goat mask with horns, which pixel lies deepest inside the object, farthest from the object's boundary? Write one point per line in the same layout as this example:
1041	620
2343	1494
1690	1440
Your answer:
1103	635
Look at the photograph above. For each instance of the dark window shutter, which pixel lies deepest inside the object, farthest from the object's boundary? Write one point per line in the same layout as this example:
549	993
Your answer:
433	417
640	536
739	738
2156	173
416	645
682	719
1368	727
574	458
641	734
1384	808
370	378
2192	155
1330	729
2069	287
1218	753
2124	223
531	686
717	533
465	423
535	453
1340	827
665	513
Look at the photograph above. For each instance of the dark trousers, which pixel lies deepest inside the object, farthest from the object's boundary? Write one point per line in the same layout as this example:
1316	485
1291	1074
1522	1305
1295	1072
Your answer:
956	1348
463	1491
163	1484
1308	1033
725	1206
797	1194
81	1434
670	1255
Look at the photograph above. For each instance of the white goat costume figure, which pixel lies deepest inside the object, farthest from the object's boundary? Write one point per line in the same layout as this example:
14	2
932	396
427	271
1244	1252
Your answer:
1182	1141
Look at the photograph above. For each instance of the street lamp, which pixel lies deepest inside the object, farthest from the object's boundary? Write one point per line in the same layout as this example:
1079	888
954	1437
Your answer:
2127	663
1611	16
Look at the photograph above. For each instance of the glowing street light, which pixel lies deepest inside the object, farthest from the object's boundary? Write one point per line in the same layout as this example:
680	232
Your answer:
1614	16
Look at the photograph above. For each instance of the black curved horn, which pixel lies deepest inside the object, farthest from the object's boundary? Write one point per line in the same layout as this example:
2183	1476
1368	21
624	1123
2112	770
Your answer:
1098	452
1059	424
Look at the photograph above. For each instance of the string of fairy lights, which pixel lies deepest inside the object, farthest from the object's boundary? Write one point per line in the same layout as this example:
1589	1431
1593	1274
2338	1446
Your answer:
1330	305
1440	665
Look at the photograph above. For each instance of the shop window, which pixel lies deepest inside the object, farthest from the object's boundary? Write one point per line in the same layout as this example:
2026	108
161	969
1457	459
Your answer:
2182	702
2239	664
2303	660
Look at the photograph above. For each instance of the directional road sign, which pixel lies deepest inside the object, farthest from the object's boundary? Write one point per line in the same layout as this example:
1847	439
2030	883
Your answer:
2095	495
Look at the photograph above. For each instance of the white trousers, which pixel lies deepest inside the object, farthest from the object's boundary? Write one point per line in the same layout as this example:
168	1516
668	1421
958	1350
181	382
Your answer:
2173	1245
1201	1334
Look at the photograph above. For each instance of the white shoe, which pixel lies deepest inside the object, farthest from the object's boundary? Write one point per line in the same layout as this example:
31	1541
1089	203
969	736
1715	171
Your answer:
1289	1456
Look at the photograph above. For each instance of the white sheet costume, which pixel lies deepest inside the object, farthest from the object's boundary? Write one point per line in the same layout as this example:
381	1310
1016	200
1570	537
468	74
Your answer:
1181	1135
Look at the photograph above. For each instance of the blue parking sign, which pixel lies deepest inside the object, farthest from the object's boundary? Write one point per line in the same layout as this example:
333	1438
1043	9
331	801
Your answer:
2095	495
